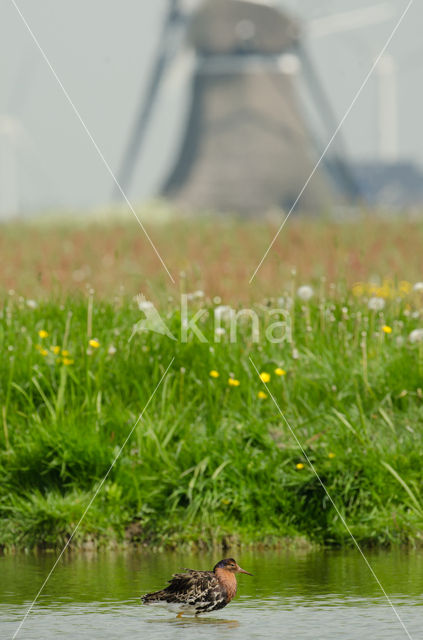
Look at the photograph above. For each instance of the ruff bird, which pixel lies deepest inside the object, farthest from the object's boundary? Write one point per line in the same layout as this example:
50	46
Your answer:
198	592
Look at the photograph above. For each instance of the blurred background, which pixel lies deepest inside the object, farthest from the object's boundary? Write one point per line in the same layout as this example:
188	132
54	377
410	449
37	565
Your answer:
221	105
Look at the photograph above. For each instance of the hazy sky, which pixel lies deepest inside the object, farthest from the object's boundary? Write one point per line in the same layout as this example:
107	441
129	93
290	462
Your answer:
102	51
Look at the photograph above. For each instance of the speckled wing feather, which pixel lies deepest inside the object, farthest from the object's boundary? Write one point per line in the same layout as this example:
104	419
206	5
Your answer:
199	589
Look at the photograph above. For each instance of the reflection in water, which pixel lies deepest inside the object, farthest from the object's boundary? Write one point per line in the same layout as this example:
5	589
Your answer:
191	621
310	595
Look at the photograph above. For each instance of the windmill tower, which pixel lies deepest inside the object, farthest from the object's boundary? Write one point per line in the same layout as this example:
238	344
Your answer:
248	144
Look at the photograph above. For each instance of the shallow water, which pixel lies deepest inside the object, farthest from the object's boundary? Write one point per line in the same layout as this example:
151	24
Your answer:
292	595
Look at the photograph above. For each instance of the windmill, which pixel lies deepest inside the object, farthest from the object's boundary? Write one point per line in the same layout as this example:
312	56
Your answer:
248	142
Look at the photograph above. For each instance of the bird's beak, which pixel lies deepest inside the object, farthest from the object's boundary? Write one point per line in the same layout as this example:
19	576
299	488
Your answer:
239	570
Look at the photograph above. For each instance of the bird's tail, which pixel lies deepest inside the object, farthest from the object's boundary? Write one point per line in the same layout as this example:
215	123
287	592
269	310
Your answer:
153	598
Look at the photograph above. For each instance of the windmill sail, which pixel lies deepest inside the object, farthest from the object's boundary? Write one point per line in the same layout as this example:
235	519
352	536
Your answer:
171	24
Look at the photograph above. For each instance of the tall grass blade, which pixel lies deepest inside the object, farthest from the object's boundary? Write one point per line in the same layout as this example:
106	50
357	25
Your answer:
405	486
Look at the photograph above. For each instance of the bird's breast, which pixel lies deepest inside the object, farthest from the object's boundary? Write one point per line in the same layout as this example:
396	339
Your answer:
227	581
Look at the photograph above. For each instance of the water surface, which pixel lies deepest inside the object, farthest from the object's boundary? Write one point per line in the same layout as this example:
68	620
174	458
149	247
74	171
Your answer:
319	595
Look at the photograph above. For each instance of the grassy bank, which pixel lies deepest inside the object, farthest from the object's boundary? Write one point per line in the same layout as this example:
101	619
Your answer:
210	459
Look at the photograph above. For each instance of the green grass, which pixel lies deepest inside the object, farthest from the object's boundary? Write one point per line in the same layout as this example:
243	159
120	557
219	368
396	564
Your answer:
210	462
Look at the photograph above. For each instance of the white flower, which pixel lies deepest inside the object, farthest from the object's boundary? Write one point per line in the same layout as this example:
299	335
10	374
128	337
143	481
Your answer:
143	303
219	331
199	294
418	287
111	350
416	336
376	304
32	304
305	293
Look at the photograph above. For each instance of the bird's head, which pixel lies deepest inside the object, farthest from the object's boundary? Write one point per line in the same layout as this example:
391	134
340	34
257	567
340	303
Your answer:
229	564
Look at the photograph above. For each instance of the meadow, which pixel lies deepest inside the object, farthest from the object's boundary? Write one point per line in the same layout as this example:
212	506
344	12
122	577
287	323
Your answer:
50	259
213	459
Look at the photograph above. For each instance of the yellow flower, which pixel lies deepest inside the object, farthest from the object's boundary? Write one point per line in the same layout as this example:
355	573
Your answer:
264	377
405	287
262	395
43	333
94	343
65	353
331	455
67	361
43	352
386	329
280	372
55	350
214	374
299	465
383	292
358	289
232	382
